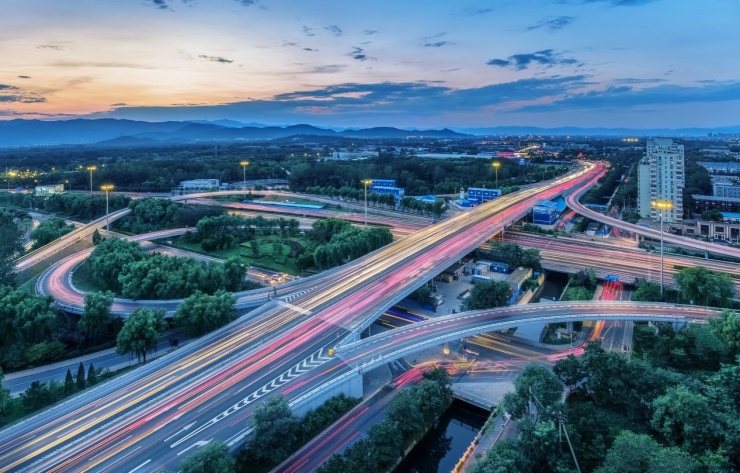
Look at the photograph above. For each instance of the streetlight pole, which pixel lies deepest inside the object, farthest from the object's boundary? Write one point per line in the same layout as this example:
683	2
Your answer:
367	182
496	165
244	170
661	205
106	188
91	169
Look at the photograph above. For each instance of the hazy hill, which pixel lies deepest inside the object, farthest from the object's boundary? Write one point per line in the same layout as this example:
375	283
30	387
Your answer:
131	132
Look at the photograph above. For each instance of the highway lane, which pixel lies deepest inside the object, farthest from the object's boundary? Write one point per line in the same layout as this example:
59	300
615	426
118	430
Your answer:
390	345
46	251
569	255
572	201
125	417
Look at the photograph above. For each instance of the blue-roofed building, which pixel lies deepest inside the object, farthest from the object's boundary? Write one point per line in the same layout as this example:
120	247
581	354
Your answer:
479	195
545	213
387	186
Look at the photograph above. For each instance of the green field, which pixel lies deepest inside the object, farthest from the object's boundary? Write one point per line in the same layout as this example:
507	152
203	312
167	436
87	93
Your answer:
267	260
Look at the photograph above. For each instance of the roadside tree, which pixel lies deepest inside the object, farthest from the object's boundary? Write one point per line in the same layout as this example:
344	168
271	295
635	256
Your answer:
140	332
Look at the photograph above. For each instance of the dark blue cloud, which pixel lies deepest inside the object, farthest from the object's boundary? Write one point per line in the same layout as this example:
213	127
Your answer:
359	54
334	29
216	59
616	3
355	101
553	24
24	77
546	58
13	94
370	32
308	31
630	80
625	97
437	44
161	4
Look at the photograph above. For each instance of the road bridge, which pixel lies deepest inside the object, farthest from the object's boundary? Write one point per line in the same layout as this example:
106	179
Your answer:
572	201
153	415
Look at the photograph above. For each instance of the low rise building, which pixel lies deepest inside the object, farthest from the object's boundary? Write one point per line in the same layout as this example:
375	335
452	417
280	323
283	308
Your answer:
200	184
354	155
49	190
545	213
517	277
479	195
387	186
723	204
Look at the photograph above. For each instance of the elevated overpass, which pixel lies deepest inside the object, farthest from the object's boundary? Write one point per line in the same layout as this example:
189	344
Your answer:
574	204
148	418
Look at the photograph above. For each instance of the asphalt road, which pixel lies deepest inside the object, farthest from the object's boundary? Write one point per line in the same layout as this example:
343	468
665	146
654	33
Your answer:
151	417
572	201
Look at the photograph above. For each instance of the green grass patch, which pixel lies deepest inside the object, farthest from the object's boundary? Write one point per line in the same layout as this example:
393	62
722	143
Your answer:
83	280
267	260
291	200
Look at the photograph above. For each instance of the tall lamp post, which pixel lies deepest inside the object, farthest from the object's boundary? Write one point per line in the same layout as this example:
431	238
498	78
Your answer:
496	165
244	170
661	205
106	188
367	182
91	169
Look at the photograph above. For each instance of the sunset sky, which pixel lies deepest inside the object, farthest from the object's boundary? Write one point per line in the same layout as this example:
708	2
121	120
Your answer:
405	63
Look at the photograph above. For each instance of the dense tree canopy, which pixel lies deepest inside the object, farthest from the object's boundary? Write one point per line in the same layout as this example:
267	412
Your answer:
487	295
96	315
49	230
109	259
150	214
409	416
140	332
338	240
700	286
275	429
212	458
122	266
201	313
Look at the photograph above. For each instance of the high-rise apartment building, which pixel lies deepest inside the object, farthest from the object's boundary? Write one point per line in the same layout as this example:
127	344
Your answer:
661	177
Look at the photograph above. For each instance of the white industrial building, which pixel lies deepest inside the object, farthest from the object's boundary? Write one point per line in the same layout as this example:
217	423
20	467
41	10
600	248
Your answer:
200	184
49	190
661	177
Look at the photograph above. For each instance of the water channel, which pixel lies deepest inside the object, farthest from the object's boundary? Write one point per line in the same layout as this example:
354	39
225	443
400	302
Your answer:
440	450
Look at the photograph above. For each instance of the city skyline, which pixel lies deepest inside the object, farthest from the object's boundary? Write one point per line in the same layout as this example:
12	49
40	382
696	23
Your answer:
548	63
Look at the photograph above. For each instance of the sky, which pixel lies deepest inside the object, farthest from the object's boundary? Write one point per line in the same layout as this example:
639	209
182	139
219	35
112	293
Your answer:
403	63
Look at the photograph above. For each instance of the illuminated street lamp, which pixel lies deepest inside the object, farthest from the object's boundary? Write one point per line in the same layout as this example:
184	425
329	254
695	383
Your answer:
661	205
91	169
106	188
367	182
244	169
496	165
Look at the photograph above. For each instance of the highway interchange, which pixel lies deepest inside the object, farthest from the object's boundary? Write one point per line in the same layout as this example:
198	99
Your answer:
153	416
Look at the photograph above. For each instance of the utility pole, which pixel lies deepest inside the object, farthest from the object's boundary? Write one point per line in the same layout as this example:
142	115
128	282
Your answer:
367	182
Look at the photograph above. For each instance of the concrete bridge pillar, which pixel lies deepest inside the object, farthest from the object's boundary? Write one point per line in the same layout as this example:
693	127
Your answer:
351	386
569	327
677	326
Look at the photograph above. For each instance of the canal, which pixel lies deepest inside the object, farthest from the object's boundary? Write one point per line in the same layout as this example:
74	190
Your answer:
553	286
441	448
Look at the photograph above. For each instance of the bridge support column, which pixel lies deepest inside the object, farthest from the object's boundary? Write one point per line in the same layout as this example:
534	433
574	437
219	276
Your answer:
569	327
706	255
677	326
352	386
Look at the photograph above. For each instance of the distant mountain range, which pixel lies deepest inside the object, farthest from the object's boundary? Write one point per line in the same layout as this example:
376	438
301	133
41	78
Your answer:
576	131
113	132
